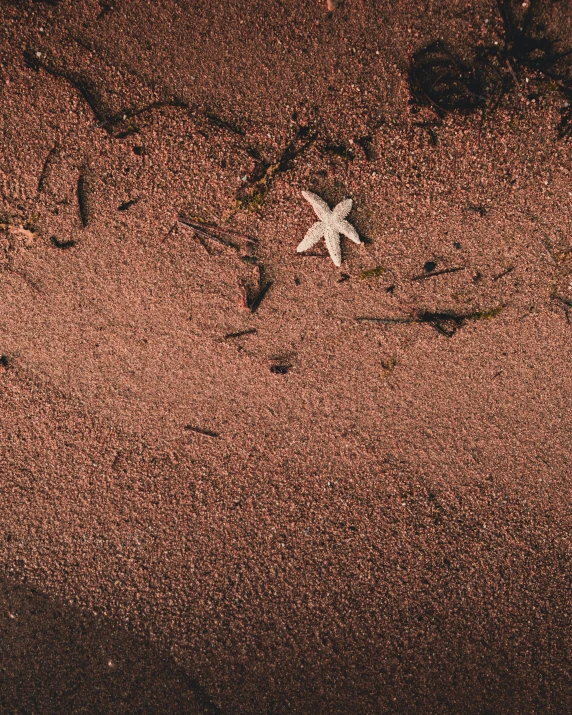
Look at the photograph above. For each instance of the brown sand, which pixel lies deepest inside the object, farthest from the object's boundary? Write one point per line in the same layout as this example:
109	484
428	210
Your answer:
321	515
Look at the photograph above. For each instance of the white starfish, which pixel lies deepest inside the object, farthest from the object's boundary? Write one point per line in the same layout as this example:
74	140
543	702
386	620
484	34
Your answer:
330	225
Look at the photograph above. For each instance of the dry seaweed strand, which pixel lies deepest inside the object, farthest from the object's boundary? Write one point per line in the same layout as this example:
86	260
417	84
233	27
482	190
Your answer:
445	322
252	195
441	80
106	119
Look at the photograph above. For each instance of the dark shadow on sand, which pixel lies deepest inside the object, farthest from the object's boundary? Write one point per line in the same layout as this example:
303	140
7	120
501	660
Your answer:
55	658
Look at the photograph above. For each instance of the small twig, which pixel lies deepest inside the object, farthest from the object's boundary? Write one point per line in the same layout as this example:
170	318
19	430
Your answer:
199	430
216	233
230	232
169	232
503	274
46	168
83	198
259	297
425	276
205	245
516	83
366	319
240	333
198	229
564	301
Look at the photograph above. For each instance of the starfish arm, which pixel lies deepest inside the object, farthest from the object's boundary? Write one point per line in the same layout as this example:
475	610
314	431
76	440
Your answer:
333	245
342	209
348	230
319	205
313	235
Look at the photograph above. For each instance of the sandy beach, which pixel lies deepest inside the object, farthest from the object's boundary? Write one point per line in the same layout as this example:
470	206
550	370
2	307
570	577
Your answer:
235	478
